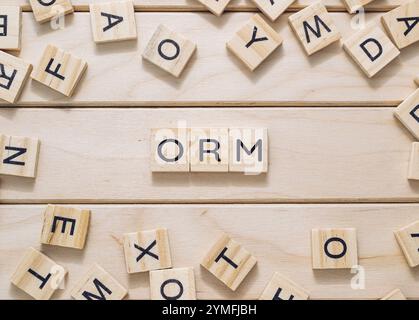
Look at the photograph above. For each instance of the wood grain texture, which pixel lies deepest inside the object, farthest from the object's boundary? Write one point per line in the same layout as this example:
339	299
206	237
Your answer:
315	155
268	231
117	76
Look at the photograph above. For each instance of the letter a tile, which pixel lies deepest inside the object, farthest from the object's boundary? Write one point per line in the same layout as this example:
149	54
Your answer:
273	8
38	275
254	42
169	51
314	28
10	27
217	7
173	284
371	49
282	288
408	239
65	227
229	262
408	113
46	10
59	70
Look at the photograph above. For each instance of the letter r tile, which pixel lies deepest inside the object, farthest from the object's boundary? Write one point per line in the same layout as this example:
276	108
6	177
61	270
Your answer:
371	49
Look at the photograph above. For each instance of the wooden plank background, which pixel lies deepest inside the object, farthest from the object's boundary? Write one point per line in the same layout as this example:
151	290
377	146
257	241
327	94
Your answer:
117	76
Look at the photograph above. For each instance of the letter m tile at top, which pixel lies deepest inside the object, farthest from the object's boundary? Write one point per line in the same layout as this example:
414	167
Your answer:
408	113
253	43
371	49
59	70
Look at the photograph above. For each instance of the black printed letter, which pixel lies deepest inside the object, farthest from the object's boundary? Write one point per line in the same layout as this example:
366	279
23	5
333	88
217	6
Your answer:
367	52
9	79
163	286
240	144
3	25
110	17
46	3
214	151
147	251
99	286
223	256
317	32
39	277
410	23
54	72
335	256
64	220
164	56
278	292
162	156
10	159
255	38
413	113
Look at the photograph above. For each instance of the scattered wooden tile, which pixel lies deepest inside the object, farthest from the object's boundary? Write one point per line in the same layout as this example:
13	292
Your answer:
65	226
113	21
147	250
402	24
248	150
209	150
394	295
253	43
413	173
170	150
10	27
354	5
371	49
169	51
314	28
98	284
19	156
417	80
173	284
273	8
282	288
14	73
38	275
408	239
334	248
217	7
59	70
408	113
229	262
46	10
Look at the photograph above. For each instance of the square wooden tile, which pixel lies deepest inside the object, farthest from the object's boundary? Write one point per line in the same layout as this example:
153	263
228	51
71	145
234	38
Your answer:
402	24
273	8
254	42
248	150
173	284
314	28
408	239
98	284
169	150
217	7
282	288
14	73
394	295
413	173
113	21
209	150
228	261
65	226
408	113
147	250
19	156
10	27
371	49
46	10
354	5
169	50
334	248
38	275
59	70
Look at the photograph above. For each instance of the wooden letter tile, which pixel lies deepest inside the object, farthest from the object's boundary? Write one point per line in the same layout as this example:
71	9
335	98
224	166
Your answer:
371	49
394	295
38	275
10	27
282	288
413	173
173	284
314	28
209	150
147	250
254	42
113	21
402	24
408	239
229	262
354	5
65	227
334	248
273	8
169	150
248	150
217	7
169	51
19	156
59	70
14	73
408	113
46	10
97	284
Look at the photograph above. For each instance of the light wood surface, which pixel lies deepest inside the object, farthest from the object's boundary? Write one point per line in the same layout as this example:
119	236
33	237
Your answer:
287	77
281	243
316	155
